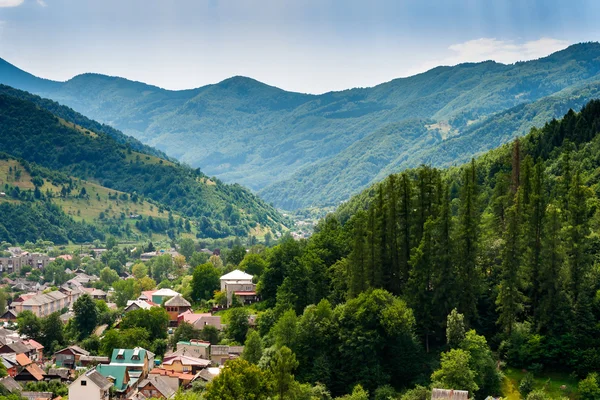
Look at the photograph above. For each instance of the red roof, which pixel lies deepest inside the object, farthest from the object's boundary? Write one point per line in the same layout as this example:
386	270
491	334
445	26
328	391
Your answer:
67	257
189	317
23	360
166	372
35	371
34	344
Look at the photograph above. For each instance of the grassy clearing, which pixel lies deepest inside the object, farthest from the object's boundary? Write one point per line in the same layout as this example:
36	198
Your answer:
13	173
550	382
146	159
87	209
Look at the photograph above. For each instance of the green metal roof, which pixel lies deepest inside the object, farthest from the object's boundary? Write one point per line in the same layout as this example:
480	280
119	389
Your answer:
117	372
127	357
199	344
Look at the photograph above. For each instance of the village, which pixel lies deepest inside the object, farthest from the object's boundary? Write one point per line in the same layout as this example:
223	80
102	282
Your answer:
126	373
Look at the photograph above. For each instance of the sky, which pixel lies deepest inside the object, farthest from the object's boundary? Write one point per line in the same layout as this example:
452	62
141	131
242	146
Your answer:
309	46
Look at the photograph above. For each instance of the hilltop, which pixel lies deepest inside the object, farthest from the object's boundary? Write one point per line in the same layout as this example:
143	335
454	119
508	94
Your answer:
289	146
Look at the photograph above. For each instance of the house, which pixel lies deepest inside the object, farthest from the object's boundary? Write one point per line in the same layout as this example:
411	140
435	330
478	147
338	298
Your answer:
43	305
31	373
208	374
183	378
69	357
90	386
18	348
10	363
212	320
72	292
136	305
10	384
449	394
158	387
240	284
200	320
119	378
175	306
137	361
19	258
38	355
9	316
161	295
221	353
194	348
97	294
185	364
8	336
89	361
62	374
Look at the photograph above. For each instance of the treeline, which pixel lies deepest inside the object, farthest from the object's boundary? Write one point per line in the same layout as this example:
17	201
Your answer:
510	240
38	136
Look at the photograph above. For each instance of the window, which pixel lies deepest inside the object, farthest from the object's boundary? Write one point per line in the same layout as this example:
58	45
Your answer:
83	383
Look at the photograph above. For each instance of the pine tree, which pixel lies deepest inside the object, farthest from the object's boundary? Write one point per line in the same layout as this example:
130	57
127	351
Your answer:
444	296
394	273
468	273
404	220
510	298
382	237
534	206
358	259
578	259
420	283
551	311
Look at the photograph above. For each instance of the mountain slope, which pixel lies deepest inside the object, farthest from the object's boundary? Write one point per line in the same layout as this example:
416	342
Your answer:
38	136
407	145
244	131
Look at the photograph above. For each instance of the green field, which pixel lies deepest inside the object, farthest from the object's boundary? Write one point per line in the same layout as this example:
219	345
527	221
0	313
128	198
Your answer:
550	382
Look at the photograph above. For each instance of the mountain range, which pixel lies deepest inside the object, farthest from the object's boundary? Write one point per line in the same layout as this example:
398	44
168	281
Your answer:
299	150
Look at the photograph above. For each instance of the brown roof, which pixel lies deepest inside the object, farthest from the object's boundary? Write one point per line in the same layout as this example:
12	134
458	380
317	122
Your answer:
160	383
34	344
23	360
177	301
35	371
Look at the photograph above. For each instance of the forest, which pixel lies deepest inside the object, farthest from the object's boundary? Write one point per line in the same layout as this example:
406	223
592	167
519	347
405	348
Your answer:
434	271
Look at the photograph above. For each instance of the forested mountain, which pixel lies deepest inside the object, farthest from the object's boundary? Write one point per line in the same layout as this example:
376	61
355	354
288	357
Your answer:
102	156
510	240
289	146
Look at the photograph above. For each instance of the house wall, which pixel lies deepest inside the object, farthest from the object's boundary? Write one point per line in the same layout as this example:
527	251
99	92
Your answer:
88	392
195	351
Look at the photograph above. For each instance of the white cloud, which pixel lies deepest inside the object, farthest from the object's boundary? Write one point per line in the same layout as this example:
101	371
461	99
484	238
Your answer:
502	51
10	3
505	51
42	3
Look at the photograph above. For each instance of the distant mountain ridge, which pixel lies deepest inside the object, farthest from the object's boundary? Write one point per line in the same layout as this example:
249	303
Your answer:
299	150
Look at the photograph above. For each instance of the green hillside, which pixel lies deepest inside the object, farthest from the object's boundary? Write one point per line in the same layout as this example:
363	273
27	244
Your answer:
485	272
281	143
68	151
409	144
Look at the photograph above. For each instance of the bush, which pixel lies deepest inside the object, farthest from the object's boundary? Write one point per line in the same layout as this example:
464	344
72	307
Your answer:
526	385
589	388
537	395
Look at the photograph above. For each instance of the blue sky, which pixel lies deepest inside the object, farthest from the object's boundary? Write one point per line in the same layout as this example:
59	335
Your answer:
308	46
